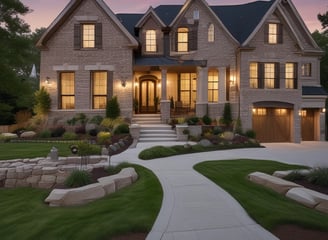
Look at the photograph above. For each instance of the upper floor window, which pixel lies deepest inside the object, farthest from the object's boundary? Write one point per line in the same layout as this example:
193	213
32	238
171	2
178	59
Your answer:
99	89
273	33
291	75
264	75
151	44
88	35
67	90
211	33
253	75
213	86
306	70
182	39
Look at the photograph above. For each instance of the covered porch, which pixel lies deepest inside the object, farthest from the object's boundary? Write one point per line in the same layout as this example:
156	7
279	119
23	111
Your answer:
174	87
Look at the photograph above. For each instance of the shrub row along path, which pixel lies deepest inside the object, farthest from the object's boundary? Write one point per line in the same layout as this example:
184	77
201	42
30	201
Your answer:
195	208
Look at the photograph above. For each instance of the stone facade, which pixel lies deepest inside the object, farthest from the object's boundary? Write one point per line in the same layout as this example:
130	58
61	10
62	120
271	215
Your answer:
150	75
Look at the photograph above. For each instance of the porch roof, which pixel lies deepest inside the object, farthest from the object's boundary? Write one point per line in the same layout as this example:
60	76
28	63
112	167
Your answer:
314	91
166	61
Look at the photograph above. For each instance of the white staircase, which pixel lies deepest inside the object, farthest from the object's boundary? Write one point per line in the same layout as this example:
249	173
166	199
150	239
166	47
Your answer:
152	130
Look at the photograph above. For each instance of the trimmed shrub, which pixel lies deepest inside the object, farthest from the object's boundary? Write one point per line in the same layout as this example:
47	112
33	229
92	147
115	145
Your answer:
227	117
96	120
85	149
70	136
113	108
42	102
110	124
294	176
103	137
93	132
207	120
78	178
193	120
58	131
122	129
157	152
217	130
45	134
250	134
319	176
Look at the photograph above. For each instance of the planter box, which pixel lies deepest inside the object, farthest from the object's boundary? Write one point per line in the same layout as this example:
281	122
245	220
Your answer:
195	130
179	128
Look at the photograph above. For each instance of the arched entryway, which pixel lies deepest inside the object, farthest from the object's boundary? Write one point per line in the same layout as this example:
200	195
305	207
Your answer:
148	94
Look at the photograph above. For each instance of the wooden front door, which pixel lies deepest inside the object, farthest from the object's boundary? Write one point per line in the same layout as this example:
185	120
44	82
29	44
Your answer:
147	96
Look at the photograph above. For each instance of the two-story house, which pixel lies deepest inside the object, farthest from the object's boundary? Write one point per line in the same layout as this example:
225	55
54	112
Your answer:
259	56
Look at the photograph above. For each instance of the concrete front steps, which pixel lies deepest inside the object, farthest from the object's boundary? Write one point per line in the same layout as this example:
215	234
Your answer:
152	130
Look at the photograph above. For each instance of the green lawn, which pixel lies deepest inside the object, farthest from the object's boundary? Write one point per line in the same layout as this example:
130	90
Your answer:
133	209
31	150
265	206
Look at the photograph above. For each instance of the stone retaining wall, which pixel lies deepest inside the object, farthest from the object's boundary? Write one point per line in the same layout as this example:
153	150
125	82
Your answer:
44	173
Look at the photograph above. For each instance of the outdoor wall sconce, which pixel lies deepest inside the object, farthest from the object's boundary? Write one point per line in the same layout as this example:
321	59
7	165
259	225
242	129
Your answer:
123	83
323	110
47	81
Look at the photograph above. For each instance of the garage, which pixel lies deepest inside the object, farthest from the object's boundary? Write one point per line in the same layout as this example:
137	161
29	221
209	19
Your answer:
272	124
307	118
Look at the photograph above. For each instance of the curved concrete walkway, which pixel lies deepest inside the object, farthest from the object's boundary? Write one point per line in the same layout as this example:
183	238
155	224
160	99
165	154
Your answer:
194	208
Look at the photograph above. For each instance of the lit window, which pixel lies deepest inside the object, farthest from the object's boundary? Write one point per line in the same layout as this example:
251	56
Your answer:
253	75
211	33
151	41
302	113
274	33
259	111
183	39
213	86
88	35
291	75
280	112
67	90
187	93
269	75
99	89
306	70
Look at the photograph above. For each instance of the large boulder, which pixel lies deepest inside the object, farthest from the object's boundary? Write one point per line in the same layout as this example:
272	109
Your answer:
83	195
28	134
277	184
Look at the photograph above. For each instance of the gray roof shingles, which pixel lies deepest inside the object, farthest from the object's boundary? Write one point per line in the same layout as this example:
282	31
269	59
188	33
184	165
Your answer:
240	20
313	91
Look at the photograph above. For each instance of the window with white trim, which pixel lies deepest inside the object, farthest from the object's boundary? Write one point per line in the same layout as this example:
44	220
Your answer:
151	44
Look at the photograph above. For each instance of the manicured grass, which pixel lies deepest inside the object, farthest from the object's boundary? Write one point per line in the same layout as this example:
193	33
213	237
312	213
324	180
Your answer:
31	150
265	206
133	209
161	151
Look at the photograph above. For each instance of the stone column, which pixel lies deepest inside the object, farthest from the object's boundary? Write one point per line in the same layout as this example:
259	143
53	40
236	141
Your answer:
202	91
222	85
163	83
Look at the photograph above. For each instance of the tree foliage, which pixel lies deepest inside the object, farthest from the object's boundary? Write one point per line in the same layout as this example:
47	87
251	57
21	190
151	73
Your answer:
18	54
323	18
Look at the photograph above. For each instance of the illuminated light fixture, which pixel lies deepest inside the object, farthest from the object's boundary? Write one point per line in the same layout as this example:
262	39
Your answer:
324	110
123	83
47	81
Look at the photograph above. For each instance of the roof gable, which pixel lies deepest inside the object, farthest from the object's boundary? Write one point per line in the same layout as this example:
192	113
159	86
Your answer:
242	20
69	10
150	13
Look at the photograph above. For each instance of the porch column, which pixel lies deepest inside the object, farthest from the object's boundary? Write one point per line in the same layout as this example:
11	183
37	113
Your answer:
222	85
202	91
163	83
165	104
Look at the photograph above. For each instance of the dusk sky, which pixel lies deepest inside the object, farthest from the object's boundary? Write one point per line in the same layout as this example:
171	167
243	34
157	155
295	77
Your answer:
45	11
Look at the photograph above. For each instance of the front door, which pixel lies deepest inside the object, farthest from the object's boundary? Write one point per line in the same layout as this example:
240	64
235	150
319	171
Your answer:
147	96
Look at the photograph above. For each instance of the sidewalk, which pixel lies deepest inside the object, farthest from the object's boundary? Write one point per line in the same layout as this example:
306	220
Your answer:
194	208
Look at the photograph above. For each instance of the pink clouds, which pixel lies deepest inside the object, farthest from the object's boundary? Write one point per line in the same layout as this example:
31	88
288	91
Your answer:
45	11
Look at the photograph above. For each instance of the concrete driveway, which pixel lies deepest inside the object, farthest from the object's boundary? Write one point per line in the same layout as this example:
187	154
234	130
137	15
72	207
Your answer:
194	208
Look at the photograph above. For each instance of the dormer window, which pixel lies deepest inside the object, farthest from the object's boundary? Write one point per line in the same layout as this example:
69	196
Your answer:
151	43
182	39
88	36
273	33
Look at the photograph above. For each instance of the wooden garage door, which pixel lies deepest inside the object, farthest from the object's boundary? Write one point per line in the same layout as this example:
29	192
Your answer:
307	116
272	124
